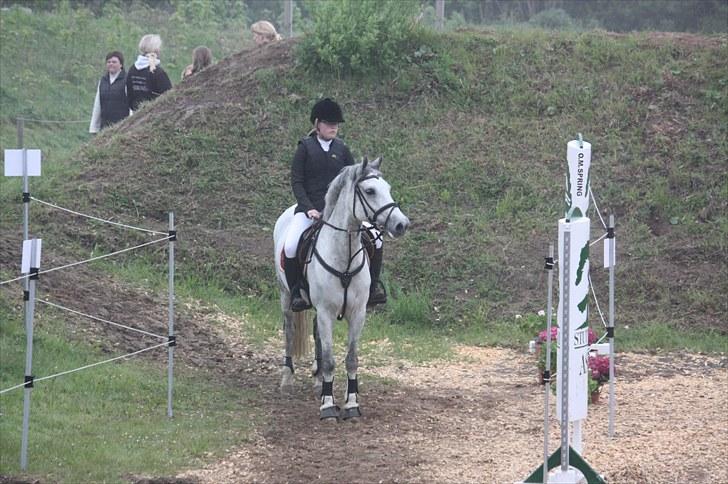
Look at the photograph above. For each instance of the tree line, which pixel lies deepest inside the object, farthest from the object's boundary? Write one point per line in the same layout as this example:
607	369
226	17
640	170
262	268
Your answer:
699	16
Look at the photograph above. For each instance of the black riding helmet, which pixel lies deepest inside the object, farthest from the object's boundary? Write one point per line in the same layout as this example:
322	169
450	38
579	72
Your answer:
326	110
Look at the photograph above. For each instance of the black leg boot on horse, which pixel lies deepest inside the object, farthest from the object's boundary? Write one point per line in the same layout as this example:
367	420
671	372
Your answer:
377	293
293	278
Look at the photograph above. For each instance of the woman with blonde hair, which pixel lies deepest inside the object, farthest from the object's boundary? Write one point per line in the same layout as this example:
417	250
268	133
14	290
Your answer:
264	32
146	80
201	58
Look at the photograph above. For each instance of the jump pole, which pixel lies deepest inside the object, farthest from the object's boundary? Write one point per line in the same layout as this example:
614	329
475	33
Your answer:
612	248
549	266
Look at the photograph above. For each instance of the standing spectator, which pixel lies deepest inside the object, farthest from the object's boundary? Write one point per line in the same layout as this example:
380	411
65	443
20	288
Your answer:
111	104
146	80
264	33
201	58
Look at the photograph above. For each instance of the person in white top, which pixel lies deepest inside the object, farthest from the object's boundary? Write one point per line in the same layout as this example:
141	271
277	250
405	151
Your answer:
111	104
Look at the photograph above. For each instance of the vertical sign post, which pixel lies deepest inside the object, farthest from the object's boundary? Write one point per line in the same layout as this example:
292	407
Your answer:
170	315
288	18
31	263
612	247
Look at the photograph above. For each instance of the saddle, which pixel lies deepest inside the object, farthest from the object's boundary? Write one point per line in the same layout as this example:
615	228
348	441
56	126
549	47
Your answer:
304	253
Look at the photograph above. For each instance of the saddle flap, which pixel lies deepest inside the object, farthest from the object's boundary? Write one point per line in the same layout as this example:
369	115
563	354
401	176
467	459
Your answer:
305	243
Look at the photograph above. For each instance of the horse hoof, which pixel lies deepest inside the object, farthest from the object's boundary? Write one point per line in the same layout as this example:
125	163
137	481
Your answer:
330	413
286	380
352	412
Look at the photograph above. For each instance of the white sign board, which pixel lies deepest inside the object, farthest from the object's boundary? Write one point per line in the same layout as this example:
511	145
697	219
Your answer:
578	313
31	255
577	182
14	162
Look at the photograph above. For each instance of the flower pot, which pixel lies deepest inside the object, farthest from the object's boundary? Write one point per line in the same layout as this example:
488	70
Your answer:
594	397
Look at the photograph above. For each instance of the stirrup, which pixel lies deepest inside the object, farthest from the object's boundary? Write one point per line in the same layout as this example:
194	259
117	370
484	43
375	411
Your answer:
299	304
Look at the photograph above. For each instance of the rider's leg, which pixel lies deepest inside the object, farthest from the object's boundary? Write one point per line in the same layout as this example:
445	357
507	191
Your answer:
377	293
291	266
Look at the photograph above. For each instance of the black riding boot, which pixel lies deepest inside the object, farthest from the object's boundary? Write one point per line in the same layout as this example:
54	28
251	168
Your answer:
293	278
377	293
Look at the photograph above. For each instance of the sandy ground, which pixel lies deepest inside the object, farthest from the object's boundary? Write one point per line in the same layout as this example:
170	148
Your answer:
481	420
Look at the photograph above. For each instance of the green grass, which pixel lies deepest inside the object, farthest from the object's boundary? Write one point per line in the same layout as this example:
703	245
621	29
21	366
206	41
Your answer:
99	424
660	336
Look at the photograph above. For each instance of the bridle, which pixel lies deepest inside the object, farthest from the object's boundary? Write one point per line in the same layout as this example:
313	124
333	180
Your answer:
358	195
346	276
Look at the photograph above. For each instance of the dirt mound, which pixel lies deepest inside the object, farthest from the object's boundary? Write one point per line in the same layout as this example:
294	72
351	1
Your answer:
223	85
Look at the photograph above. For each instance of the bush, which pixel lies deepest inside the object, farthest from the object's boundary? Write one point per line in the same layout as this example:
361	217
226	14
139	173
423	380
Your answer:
355	36
553	19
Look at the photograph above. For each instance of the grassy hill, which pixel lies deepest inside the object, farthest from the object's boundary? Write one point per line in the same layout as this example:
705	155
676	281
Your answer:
473	135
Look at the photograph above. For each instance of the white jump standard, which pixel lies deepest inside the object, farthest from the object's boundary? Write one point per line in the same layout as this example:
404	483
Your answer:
573	322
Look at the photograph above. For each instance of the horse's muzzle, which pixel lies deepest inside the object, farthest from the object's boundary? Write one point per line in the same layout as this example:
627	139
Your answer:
397	226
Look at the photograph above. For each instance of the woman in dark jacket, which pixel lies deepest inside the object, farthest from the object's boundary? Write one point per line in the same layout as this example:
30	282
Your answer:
318	160
146	80
111	104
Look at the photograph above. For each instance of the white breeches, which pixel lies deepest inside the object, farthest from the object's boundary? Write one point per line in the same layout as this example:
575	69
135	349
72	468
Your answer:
298	225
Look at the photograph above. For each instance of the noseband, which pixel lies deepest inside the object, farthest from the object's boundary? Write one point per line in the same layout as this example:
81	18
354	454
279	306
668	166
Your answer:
371	215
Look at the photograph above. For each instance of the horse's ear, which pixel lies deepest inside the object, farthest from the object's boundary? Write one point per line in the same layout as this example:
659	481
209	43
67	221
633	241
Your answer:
364	163
376	163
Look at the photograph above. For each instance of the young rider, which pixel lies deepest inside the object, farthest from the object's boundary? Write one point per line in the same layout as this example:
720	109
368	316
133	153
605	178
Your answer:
319	158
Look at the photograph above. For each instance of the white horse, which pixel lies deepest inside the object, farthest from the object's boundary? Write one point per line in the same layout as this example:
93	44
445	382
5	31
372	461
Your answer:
338	277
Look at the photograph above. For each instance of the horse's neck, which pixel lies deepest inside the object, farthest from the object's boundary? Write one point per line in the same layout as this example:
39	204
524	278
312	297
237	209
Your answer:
338	242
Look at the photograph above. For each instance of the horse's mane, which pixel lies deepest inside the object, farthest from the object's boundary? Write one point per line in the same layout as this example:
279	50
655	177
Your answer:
347	175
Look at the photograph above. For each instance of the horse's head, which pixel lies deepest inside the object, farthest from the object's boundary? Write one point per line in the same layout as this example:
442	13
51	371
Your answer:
373	201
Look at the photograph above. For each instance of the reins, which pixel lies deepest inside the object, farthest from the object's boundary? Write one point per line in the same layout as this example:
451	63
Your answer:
346	276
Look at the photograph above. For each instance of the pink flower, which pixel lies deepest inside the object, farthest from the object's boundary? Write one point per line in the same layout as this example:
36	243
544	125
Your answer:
554	334
599	366
592	336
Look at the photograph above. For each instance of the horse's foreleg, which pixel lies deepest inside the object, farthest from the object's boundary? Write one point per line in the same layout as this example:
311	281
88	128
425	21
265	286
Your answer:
351	398
328	408
287	369
316	366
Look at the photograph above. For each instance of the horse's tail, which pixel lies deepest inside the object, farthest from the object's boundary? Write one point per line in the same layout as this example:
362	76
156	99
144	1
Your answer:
301	330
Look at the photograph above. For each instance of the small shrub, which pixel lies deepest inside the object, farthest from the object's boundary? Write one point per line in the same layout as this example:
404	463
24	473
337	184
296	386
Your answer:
354	36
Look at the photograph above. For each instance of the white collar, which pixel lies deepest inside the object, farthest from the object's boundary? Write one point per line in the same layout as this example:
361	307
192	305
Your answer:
112	77
325	145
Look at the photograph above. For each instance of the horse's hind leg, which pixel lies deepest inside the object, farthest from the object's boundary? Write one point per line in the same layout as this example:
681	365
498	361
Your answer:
351	398
328	408
287	369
